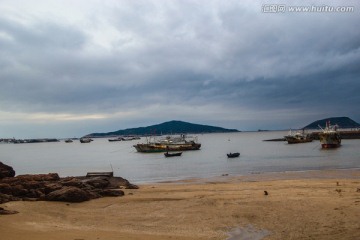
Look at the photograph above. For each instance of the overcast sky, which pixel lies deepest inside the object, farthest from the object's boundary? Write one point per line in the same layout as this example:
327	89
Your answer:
69	68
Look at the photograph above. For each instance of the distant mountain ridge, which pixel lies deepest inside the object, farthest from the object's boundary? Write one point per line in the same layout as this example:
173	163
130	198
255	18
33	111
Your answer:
342	122
171	127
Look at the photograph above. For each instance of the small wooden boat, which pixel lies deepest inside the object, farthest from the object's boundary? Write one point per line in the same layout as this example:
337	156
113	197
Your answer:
115	139
233	155
167	154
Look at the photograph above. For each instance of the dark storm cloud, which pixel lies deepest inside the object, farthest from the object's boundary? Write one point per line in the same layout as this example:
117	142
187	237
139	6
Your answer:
224	57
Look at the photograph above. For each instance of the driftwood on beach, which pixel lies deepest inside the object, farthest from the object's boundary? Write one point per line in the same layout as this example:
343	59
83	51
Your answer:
50	187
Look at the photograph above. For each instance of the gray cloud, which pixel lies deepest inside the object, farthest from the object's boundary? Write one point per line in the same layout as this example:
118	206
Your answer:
233	63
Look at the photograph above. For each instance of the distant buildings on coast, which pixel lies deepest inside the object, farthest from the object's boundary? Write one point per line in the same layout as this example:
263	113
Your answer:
41	140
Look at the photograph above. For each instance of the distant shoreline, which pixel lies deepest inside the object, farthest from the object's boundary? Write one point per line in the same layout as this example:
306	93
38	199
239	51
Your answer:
345	134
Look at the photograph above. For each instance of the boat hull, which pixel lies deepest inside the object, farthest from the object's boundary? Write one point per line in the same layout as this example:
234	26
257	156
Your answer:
325	145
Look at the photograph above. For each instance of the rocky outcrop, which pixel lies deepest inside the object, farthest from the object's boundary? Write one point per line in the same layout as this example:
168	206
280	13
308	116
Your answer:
50	187
70	194
6	171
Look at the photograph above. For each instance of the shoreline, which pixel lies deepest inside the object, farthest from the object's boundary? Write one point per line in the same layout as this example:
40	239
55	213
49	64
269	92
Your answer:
253	176
299	205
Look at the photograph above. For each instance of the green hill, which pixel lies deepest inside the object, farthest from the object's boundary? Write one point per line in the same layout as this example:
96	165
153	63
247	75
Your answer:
171	127
342	122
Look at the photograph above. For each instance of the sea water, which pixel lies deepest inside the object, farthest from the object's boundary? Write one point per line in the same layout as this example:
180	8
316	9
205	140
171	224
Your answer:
256	156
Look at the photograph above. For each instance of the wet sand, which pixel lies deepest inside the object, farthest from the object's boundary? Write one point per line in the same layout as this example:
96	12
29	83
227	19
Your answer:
301	205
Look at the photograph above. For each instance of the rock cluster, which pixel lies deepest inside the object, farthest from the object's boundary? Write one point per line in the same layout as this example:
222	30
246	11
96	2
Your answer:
50	187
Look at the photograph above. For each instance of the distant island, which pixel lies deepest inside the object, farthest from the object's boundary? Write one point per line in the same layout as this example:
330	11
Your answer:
342	122
171	127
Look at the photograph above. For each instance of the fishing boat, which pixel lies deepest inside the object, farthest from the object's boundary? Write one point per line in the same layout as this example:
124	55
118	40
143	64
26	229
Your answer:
298	137
177	154
124	138
169	144
128	138
329	137
115	139
233	155
85	140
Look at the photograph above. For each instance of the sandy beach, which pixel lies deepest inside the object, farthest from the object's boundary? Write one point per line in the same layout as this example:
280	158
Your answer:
300	205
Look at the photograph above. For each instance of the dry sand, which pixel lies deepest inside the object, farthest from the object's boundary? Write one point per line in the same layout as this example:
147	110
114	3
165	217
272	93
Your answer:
308	205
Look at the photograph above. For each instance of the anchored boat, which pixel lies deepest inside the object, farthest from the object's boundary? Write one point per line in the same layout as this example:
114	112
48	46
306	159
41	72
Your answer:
177	154
169	144
298	137
329	137
233	155
85	140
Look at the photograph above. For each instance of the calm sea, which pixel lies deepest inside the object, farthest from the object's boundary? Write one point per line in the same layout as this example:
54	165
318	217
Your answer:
257	156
